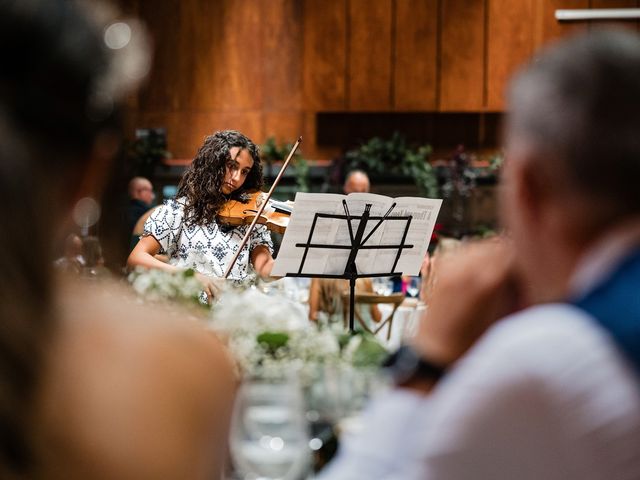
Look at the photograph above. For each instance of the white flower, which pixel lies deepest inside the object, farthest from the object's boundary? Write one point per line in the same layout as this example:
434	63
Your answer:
156	285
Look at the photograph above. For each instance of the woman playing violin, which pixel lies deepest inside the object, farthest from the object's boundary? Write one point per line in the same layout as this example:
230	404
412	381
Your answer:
187	230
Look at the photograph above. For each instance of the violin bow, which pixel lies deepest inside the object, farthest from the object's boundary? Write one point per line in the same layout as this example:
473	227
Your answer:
264	203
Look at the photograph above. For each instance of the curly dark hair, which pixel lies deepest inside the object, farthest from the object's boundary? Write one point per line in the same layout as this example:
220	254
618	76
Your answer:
201	183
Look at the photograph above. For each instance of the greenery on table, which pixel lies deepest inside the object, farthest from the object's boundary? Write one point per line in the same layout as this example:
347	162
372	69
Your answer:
394	156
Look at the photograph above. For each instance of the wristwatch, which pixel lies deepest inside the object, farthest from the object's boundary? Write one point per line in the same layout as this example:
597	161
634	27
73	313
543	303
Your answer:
406	365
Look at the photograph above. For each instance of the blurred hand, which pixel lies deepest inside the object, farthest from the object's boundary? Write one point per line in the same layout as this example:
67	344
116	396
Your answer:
475	286
210	285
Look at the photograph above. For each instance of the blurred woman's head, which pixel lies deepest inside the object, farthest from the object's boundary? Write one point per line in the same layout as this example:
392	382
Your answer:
59	91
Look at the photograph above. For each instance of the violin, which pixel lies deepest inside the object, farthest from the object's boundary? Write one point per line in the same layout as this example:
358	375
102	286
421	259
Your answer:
275	215
257	215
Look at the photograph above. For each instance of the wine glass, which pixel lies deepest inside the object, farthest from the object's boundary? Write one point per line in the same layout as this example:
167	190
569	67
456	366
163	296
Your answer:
382	285
269	432
413	286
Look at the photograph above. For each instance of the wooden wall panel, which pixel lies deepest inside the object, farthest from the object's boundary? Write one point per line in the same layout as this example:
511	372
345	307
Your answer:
166	86
547	28
269	67
369	55
282	69
324	57
237	64
186	130
509	45
462	55
201	35
282	54
414	74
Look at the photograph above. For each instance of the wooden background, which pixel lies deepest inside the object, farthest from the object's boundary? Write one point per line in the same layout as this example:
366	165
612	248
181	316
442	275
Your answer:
285	68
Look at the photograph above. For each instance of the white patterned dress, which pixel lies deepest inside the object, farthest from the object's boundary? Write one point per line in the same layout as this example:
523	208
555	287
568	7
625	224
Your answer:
207	249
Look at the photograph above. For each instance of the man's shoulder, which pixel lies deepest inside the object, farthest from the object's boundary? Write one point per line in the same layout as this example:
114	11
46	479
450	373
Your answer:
551	343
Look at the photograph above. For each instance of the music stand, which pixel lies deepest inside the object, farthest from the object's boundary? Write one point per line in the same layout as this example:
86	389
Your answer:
357	243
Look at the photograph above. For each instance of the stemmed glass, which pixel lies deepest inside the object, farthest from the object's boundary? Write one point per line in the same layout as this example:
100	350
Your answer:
413	286
382	285
269	432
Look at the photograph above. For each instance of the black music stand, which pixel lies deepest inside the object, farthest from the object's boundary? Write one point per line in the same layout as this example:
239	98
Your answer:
357	244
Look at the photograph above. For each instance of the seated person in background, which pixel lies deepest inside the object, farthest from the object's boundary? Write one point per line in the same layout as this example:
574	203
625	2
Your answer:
492	390
325	300
94	261
356	181
72	261
138	231
94	385
140	199
325	295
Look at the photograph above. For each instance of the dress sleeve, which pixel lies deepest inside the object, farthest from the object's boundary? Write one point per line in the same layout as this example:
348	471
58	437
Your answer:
261	236
165	225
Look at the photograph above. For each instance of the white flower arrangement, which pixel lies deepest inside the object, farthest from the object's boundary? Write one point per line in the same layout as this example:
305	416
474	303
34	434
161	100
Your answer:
267	334
270	333
157	285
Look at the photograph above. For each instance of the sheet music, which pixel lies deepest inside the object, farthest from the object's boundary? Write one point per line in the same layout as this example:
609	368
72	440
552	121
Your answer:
331	231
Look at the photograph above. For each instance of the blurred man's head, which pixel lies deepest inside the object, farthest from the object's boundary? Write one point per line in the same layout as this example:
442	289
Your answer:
356	182
573	151
141	189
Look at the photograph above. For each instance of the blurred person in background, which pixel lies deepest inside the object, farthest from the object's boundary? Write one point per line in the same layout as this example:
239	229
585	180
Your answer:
72	261
141	198
356	181
552	391
90	387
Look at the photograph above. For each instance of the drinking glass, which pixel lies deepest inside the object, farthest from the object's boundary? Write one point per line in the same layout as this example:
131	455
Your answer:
382	285
413	286
269	432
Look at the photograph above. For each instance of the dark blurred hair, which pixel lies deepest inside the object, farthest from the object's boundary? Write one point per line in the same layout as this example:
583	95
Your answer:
53	59
579	105
201	183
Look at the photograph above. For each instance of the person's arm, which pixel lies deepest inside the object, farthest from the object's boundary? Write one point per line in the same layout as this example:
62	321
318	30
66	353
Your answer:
143	255
314	299
489	420
262	261
376	316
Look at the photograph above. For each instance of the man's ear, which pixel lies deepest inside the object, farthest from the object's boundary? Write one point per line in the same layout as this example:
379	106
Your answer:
530	189
543	198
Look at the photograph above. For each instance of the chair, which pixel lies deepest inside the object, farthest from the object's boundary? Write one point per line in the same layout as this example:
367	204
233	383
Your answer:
394	299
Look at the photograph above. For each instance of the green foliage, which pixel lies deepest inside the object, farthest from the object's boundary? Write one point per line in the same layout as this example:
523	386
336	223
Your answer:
272	152
369	353
395	156
144	153
343	339
496	161
273	340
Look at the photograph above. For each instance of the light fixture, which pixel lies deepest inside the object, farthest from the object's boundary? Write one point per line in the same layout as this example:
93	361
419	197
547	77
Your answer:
597	14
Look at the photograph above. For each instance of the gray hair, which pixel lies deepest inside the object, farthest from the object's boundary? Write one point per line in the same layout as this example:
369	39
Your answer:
579	103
